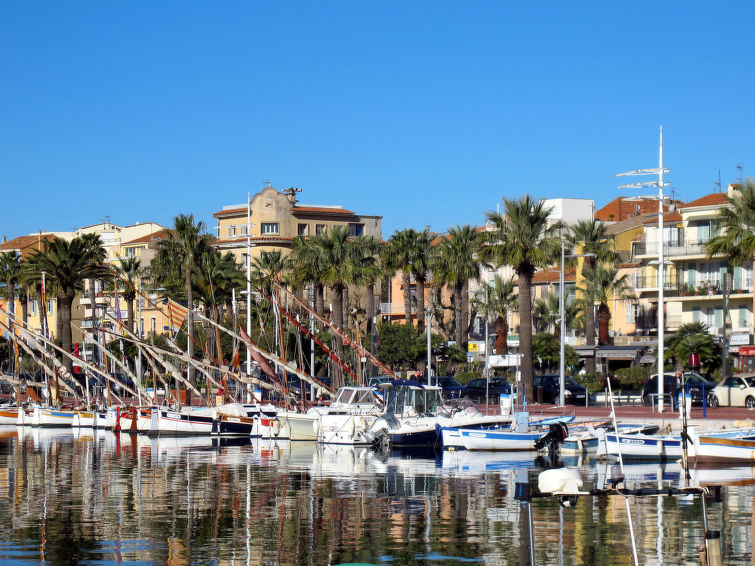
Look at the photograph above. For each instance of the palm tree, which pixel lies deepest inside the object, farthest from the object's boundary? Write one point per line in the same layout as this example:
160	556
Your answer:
398	255
10	271
604	284
267	267
592	237
737	242
693	337
545	312
459	251
67	265
522	238
176	259
307	268
501	299
129	272
367	272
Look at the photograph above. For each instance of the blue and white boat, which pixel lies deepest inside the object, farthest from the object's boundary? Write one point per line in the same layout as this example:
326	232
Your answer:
498	438
650	446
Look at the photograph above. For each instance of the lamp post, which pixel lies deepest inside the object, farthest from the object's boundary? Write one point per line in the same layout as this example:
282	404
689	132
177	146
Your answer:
660	170
562	315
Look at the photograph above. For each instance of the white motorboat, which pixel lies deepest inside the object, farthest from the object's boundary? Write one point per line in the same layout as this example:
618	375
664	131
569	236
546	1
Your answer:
349	417
300	426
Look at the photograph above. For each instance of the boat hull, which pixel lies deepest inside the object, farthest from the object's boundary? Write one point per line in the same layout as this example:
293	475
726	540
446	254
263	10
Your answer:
227	425
641	446
721	450
489	439
300	427
83	419
9	416
165	422
48	417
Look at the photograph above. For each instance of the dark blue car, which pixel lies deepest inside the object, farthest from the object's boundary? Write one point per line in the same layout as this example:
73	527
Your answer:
476	389
452	389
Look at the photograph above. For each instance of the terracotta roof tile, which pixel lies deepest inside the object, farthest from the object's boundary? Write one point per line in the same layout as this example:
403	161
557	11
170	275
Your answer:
712	199
668	217
159	235
622	208
229	212
553	276
22	243
320	210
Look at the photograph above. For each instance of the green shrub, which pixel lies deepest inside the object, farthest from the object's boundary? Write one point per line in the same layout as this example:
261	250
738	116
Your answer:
631	378
594	382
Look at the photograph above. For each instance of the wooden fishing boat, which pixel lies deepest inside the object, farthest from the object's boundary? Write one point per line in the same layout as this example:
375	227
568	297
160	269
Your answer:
651	446
721	448
169	422
9	415
83	419
498	438
51	417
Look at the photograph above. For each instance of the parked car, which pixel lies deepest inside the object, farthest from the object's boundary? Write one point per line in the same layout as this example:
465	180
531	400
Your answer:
694	382
547	389
735	392
498	385
452	389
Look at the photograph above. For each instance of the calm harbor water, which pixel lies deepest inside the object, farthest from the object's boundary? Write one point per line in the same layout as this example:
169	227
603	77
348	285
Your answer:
100	498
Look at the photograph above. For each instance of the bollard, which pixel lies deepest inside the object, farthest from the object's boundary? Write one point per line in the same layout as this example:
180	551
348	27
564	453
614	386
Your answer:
713	547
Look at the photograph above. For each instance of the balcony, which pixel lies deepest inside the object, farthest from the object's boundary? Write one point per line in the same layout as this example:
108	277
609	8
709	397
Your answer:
650	282
681	248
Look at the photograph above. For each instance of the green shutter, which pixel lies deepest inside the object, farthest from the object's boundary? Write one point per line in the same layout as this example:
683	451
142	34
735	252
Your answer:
737	284
691	274
696	315
719	317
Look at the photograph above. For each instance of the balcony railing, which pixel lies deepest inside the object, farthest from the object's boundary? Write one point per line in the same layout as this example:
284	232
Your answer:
671	248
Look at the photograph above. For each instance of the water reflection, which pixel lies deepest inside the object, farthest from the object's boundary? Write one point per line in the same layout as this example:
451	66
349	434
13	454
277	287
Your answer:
99	497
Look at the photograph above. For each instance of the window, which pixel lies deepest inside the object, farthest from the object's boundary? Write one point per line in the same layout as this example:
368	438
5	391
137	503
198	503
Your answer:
632	311
708	273
747	277
131	252
269	227
232	230
321	229
152	325
34	307
50	309
356	230
301	229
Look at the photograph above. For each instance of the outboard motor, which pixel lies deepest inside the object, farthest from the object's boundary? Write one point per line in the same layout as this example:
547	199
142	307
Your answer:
556	435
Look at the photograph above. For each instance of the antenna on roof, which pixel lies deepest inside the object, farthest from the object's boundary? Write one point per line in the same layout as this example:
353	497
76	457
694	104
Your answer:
718	183
268	183
741	181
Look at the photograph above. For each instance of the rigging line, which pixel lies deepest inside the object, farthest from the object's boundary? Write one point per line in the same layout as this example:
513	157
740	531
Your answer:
331	354
348	341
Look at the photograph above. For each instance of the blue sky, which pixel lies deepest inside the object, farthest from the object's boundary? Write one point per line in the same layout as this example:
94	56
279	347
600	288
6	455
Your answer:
426	113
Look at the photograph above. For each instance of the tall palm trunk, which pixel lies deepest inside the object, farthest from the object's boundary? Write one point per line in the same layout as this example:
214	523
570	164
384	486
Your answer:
458	320
338	321
604	318
345	308
130	314
525	333
501	335
66	339
588	268
465	314
190	331
420	303
407	298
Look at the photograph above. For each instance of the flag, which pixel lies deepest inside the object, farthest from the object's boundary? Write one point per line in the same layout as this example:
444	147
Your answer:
177	314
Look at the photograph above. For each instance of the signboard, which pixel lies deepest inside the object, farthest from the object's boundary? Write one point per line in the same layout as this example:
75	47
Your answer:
741	339
512	340
747	350
473	347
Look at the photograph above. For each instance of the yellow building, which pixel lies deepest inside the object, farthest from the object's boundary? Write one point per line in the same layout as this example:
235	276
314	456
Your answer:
277	218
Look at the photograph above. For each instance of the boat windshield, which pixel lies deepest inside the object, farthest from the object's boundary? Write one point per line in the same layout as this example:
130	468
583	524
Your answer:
422	400
354	396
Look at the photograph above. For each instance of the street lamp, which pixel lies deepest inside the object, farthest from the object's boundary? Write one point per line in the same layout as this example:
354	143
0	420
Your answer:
561	373
660	170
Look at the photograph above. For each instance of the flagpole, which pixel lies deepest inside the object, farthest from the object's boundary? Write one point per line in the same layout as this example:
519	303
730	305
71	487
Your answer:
139	329
248	286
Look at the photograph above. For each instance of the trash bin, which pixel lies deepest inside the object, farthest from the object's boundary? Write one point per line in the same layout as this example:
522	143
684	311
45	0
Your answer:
506	403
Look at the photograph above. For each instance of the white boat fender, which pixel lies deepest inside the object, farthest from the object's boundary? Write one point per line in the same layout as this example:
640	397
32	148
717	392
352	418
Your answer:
563	482
316	426
276	427
350	427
